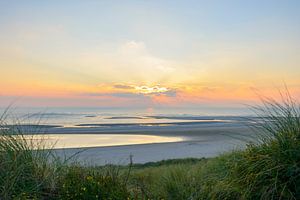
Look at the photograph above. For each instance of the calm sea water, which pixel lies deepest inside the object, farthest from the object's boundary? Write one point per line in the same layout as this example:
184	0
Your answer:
74	116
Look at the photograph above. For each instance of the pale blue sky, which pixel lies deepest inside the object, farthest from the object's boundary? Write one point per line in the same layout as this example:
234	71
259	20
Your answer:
72	47
179	26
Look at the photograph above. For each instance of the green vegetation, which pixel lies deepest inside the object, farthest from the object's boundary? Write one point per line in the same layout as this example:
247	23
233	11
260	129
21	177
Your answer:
267	169
86	183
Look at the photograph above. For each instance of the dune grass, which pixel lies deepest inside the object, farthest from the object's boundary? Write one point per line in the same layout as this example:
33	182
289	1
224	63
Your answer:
30	169
268	168
25	170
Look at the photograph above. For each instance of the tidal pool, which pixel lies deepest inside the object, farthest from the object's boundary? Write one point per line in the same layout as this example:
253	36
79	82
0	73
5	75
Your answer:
96	140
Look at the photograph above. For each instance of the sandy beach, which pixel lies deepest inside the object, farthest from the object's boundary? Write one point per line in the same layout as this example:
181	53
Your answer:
146	139
199	141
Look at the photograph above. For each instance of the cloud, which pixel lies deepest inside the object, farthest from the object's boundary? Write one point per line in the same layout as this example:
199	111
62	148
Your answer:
141	64
150	90
125	87
133	47
122	90
114	94
170	93
146	90
126	95
156	90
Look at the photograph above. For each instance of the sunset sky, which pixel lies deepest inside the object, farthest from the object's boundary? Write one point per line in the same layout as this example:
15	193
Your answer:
147	53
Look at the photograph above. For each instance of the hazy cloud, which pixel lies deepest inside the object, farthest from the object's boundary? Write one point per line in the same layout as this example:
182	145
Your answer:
121	86
170	93
114	94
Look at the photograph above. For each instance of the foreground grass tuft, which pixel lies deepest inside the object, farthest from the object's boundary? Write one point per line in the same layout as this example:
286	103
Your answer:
271	167
25	171
268	168
29	169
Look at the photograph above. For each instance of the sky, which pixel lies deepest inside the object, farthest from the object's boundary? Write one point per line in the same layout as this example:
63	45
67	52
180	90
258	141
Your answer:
156	53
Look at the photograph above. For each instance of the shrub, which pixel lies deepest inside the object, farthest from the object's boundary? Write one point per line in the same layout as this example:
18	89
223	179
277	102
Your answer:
85	183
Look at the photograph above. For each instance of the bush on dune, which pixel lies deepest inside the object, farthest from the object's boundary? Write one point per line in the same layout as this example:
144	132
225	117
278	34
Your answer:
268	168
85	183
165	182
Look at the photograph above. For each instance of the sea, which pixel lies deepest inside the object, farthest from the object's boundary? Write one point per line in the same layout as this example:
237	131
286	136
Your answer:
72	116
74	127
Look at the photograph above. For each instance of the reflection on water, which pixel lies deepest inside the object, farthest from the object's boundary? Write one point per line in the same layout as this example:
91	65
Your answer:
69	117
98	140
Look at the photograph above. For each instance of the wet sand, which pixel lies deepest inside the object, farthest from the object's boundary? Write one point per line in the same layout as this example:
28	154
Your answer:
200	141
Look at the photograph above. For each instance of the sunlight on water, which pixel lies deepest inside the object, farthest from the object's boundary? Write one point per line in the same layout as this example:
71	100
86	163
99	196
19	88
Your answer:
98	140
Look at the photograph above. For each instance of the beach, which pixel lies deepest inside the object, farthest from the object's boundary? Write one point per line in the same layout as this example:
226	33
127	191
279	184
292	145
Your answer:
111	137
197	142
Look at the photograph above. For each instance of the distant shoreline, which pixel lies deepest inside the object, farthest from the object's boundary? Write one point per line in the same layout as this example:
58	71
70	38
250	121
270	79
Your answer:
184	124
